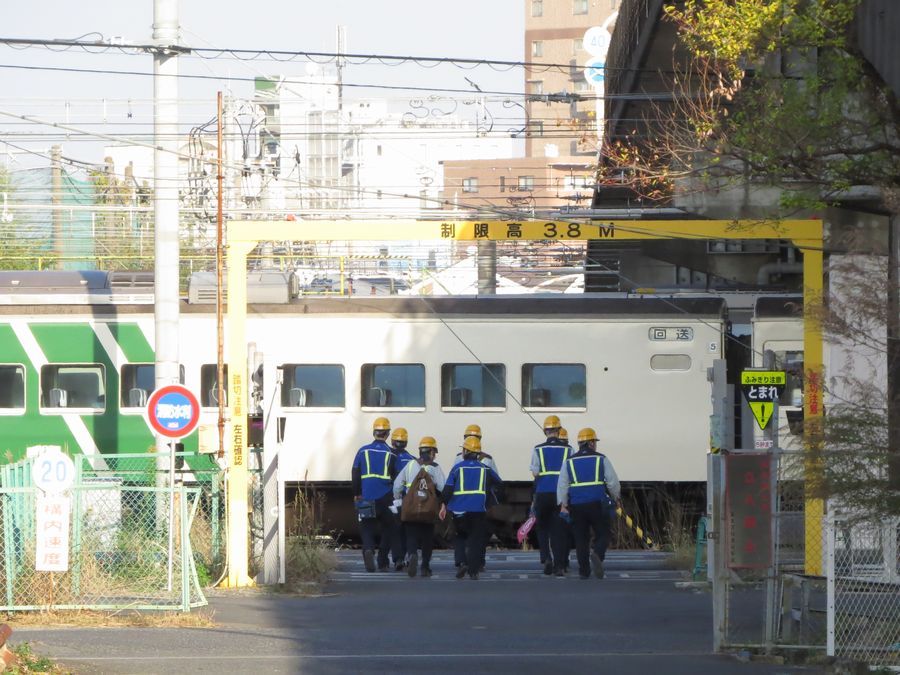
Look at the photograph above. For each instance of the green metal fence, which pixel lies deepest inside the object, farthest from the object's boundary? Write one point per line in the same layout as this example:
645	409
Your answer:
134	540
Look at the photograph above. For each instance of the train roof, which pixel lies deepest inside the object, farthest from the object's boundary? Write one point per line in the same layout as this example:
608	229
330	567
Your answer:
779	307
538	306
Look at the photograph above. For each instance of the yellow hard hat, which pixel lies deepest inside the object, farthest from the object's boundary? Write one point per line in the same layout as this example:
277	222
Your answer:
587	434
472	430
552	422
472	444
399	434
381	424
563	435
428	443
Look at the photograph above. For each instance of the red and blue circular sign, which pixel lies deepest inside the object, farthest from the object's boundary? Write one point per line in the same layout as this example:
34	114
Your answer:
173	411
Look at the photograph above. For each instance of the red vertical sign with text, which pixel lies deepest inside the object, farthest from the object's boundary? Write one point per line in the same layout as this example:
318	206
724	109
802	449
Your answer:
748	509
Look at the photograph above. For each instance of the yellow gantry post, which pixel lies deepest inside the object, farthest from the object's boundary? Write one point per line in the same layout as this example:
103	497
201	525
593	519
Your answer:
236	509
814	370
244	235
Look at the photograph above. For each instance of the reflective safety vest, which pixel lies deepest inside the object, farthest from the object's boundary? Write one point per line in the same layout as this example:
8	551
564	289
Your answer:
471	489
587	482
385	473
551	458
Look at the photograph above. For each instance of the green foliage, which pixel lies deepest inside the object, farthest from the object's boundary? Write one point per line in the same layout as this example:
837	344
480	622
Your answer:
773	92
29	662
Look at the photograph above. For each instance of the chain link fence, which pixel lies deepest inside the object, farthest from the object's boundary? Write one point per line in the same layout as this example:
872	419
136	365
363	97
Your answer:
769	583
785	577
864	588
132	540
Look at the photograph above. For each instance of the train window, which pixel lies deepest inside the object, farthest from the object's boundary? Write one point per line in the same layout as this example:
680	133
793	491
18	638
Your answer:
473	385
209	390
670	362
73	385
12	388
791	362
137	382
394	385
313	386
554	385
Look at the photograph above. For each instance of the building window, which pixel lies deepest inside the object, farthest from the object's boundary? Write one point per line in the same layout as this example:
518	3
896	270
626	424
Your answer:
209	389
554	385
378	150
536	86
313	386
526	183
577	46
502	183
393	385
537	48
78	385
537	7
470	185
12	388
580	7
473	385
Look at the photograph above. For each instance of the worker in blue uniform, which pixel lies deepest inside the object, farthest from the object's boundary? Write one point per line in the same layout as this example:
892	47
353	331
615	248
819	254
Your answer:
372	478
465	496
399	440
474	431
546	461
588	489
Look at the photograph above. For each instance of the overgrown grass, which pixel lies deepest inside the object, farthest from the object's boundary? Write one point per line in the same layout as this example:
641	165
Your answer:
29	662
93	618
680	540
309	558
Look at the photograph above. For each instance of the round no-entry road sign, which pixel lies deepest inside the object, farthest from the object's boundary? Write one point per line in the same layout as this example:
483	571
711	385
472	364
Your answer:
173	411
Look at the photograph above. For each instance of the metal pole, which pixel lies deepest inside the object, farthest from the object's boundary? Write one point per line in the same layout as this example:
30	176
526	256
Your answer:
771	433
171	513
220	331
165	197
56	200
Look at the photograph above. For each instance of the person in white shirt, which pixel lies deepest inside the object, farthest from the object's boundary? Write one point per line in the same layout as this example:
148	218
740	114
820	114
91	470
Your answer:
420	536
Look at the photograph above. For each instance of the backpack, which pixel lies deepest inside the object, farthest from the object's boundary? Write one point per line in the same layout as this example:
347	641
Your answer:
421	503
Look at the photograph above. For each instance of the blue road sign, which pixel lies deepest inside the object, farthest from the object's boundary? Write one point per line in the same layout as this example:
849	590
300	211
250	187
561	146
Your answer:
595	71
173	411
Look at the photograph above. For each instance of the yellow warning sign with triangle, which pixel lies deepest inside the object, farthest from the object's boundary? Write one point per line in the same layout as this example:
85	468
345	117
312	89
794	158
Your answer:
762	411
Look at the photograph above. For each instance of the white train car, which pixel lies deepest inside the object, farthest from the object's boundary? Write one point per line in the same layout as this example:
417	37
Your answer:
634	369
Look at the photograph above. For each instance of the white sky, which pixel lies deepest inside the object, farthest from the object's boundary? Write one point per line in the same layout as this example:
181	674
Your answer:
489	29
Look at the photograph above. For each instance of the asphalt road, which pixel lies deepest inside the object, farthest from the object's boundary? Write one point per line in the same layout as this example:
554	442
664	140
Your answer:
513	619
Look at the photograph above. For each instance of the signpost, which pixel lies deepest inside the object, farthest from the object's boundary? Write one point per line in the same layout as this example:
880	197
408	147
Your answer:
173	412
53	474
762	388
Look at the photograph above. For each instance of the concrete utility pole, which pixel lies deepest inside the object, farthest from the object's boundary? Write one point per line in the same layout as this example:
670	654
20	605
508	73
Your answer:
165	199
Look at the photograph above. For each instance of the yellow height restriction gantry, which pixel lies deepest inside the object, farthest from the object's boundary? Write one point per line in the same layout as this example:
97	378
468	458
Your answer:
244	235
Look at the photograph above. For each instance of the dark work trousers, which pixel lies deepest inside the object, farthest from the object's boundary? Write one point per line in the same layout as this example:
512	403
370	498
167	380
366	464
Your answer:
420	536
549	527
401	548
470	532
585	518
388	522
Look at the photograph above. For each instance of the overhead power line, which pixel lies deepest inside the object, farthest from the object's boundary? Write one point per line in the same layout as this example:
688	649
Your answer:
282	56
